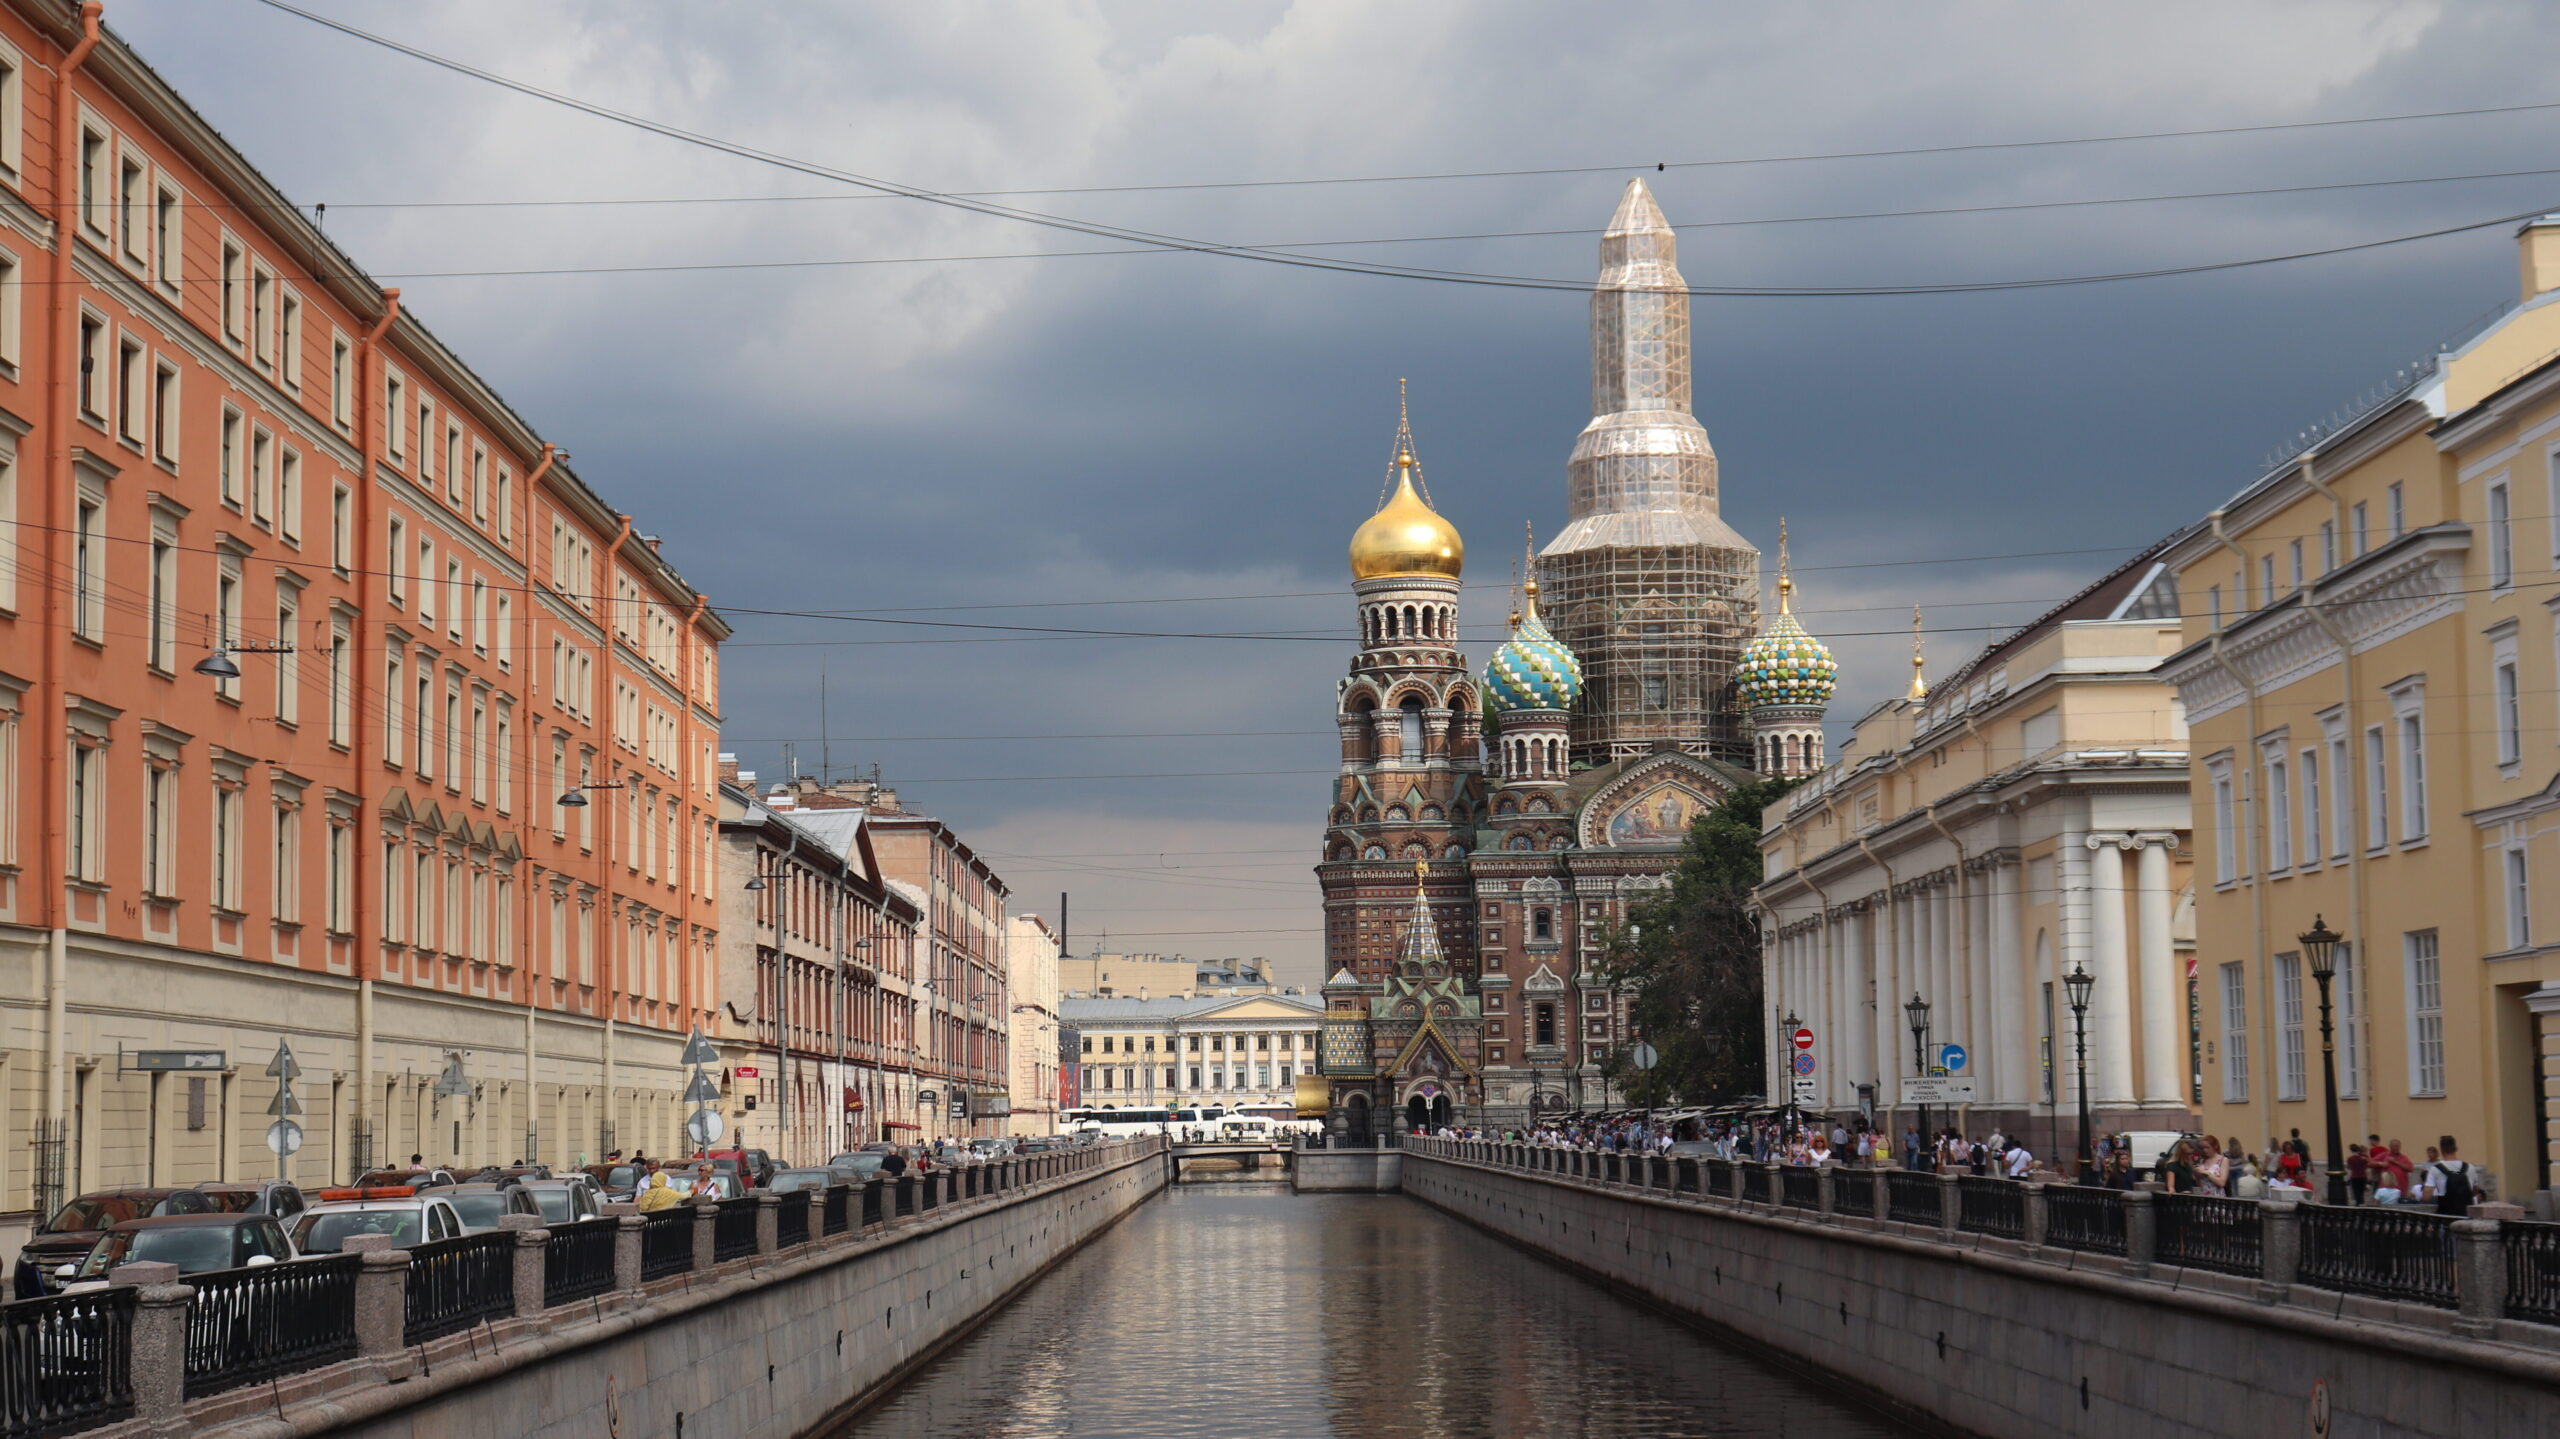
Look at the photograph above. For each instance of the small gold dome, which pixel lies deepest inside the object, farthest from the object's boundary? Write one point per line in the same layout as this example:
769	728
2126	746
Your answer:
1406	536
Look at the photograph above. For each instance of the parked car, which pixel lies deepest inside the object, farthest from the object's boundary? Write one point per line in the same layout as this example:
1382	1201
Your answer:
755	1167
791	1181
483	1205
723	1184
565	1201
621	1183
257	1196
859	1165
494	1173
196	1243
413	1178
999	1147
408	1215
77	1227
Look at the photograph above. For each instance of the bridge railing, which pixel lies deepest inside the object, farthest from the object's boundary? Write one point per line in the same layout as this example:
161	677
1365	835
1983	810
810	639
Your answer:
142	1349
2487	1273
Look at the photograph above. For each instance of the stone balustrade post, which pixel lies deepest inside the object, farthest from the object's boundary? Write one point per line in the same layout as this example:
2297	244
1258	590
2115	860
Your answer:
158	1357
706	1233
1881	1191
1774	1189
817	1198
1825	1196
2479	1277
382	1303
533	1243
1950	1205
2141	1232
2279	1249
768	1223
626	1247
2031	1232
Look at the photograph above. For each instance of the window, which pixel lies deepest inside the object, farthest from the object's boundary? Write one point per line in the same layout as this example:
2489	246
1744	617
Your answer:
2396	504
2292	1063
159	812
392	695
2296	557
2502	555
89	570
426	580
2279	816
395	420
2311	798
2342	831
226	847
341	709
8	539
233	285
2519	899
291	343
479	484
505	506
2356	522
262	449
226	619
88	805
169	237
396	579
453	616
131	416
164	414
341	400
425	717
2328	546
2213	604
2510	708
93	181
2266	580
13	108
288	683
2235	1034
2425	981
227	462
93	368
2377	809
505	642
2412	729
2226	827
12	308
262	314
2346	992
164	601
289	495
288	863
341	527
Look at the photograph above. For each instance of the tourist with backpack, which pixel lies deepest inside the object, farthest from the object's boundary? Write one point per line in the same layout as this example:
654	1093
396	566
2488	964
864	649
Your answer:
2452	1181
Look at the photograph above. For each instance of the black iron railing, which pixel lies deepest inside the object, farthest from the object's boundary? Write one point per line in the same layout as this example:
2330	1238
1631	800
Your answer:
1684	1175
2381	1250
733	1228
871	1197
247	1325
1991	1206
933	1189
64	1363
456	1283
1800	1187
2533	1270
577	1262
1911	1195
2202	1231
906	1194
791	1221
1720	1176
837	1213
1853	1191
666	1243
2078	1217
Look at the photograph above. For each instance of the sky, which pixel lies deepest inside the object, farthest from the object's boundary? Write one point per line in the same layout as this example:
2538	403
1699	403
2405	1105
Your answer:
820	405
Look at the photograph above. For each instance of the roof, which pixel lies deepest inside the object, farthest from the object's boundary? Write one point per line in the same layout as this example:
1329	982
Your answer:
1120	1009
2106	598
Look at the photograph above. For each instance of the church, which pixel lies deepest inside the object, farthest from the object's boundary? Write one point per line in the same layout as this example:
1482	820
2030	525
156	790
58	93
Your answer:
1490	830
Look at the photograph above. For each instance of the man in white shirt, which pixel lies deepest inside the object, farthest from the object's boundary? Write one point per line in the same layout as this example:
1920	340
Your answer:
2020	1161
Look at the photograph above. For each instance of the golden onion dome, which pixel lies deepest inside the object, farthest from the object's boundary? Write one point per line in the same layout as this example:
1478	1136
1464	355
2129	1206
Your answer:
1406	536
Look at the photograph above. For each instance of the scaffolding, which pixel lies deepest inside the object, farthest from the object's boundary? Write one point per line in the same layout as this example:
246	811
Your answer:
1646	583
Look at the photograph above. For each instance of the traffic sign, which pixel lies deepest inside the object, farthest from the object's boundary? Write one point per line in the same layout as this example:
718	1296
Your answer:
453	1083
702	1090
1804	1090
1937	1091
1643	1056
1951	1058
283	1066
1803	1064
284	1102
698	1050
705	1127
162	1061
746	1071
1803	1038
284	1137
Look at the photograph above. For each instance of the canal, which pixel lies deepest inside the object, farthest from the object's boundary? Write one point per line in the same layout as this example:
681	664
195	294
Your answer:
1240	1308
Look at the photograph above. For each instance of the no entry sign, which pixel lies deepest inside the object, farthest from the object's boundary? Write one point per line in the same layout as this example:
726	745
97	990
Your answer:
1803	1038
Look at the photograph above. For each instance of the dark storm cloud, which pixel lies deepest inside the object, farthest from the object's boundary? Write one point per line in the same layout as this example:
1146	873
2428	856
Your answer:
1021	431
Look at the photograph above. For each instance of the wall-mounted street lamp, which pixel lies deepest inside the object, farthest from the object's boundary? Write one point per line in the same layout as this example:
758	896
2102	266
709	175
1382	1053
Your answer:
219	665
576	798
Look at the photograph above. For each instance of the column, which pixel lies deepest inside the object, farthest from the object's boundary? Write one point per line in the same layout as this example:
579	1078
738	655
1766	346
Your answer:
2011	1068
1888	1016
1977	976
1946	1024
2164	1005
1857	959
2111	1002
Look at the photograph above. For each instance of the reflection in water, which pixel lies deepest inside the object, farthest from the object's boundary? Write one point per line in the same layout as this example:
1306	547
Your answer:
1242	1309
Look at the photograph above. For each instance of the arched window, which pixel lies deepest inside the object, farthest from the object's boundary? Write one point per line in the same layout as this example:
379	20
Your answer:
1412	715
1542	924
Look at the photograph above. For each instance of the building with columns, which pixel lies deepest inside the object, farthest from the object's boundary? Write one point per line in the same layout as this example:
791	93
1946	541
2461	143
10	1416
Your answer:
1976	843
2370	657
1235	1050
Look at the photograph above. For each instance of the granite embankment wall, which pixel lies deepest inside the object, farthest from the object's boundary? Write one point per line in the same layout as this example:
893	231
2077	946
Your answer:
773	1347
1975	1335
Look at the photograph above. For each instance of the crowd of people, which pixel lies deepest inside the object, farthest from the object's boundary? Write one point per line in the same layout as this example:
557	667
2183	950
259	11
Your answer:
2377	1172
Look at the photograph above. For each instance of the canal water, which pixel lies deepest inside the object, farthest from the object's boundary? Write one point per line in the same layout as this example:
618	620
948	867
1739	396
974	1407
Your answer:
1242	1309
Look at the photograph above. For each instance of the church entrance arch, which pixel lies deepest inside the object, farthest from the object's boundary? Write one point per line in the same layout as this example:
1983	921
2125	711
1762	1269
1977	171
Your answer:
1355	1115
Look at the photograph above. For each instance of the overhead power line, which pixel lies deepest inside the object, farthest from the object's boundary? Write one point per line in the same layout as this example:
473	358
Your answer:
1163	240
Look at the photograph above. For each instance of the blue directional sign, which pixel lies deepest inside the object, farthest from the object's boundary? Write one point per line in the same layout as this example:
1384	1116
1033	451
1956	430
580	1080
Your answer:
1951	1058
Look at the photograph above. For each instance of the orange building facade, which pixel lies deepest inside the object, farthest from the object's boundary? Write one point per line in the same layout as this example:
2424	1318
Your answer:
220	442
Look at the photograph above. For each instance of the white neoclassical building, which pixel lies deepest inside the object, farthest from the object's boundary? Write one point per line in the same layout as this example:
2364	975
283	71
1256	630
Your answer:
1972	847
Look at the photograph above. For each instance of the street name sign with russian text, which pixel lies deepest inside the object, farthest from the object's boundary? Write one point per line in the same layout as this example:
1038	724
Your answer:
1937	1091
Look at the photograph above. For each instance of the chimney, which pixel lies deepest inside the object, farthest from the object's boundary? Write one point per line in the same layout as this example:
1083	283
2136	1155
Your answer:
2538	251
728	768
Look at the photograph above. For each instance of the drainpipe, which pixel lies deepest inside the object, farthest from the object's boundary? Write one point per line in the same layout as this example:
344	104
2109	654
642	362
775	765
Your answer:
2352	792
531	738
696	866
2246	796
54	738
608	971
367	938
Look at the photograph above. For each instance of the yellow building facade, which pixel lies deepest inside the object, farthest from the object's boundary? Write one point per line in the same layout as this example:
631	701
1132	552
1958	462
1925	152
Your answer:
2371	670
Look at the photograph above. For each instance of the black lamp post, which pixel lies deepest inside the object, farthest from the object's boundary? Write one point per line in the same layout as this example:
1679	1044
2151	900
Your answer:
2078	983
1918	1011
2320	946
1787	1028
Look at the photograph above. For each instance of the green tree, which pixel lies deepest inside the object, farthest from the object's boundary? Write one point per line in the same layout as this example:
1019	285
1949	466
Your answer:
1692	962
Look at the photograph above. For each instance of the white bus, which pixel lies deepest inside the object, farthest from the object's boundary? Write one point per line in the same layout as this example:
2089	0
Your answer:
1118	1123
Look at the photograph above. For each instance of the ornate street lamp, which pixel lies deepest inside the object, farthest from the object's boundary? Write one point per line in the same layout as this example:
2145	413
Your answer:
1918	1012
2078	983
2320	946
1786	1040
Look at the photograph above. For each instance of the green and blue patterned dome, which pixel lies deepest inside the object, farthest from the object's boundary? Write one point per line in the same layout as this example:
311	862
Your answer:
1785	667
1533	670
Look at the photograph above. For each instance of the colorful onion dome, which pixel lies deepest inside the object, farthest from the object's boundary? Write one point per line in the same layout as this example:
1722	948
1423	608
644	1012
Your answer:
1532	670
1785	666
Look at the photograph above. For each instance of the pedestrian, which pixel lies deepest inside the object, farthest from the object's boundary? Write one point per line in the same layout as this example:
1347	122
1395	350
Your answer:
417	1161
2359	1173
2451	1180
658	1195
